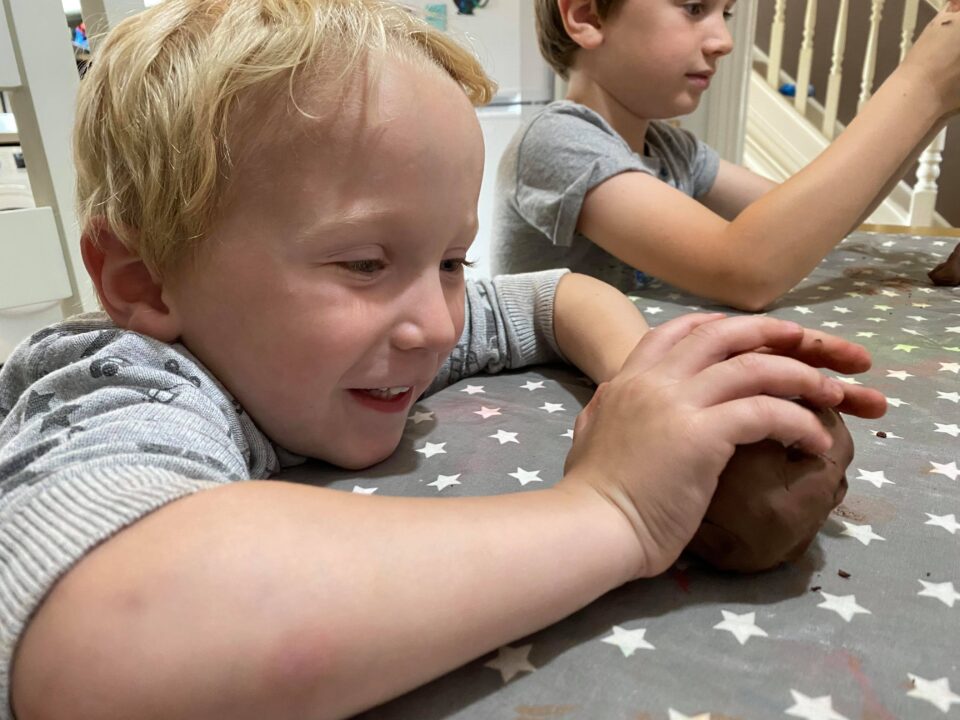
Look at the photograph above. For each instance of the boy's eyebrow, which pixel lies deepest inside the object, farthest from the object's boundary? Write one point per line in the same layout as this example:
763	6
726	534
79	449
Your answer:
354	219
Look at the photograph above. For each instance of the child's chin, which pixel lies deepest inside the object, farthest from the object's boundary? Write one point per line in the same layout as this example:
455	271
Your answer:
364	455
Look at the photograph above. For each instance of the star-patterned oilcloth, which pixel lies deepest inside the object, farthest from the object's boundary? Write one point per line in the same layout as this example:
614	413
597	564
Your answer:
866	625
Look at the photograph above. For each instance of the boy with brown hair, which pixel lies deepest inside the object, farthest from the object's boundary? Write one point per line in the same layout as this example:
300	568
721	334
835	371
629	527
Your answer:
601	184
277	234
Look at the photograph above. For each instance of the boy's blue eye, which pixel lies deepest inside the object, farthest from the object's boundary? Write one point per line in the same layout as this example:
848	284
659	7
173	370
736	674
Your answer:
694	9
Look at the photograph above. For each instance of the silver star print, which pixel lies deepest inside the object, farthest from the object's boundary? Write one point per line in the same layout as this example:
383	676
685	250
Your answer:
947	522
526	476
874	477
813	708
743	627
444	481
486	412
430	449
629	641
505	437
863	533
511	662
935	692
943	592
947	469
843	605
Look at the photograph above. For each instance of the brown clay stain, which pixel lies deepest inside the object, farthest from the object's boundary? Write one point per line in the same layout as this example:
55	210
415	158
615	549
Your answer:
861	509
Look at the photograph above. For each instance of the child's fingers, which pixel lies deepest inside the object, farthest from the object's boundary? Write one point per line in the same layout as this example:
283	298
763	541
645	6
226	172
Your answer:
757	374
661	339
752	419
863	402
716	341
821	349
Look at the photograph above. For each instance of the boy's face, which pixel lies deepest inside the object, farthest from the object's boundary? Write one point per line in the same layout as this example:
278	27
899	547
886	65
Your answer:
331	288
657	56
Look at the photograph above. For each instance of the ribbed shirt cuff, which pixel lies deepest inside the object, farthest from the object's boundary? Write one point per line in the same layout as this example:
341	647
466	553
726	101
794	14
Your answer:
531	334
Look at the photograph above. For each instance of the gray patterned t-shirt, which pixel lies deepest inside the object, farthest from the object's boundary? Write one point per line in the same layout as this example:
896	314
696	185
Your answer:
554	161
100	426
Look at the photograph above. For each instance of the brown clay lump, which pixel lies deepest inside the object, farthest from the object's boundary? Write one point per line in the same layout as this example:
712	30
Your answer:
947	273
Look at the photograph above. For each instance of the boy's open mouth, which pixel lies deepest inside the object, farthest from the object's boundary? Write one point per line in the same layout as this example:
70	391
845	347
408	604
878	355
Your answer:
387	399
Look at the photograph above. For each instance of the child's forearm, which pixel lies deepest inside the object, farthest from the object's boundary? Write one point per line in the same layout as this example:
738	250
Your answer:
596	325
276	600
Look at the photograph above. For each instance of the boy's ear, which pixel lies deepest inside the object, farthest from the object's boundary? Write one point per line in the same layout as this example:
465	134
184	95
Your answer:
129	292
582	22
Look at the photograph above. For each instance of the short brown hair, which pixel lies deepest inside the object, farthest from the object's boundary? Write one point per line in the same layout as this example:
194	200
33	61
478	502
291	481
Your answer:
555	45
151	141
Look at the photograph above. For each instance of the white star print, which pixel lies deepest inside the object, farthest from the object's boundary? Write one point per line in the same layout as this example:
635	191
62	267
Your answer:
505	437
882	307
841	309
949	469
849	380
935	692
831	324
876	319
526	476
906	348
951	430
909	331
947	522
898	374
444	481
419	417
364	491
843	605
874	477
921	305
742	627
866	334
918	318
653	310
896	402
863	533
954	329
568	434
803	310
952	396
950	367
943	592
629	641
430	449
890	293
675	715
511	662
810	708
486	412
553	407
887	434
473	389
531	385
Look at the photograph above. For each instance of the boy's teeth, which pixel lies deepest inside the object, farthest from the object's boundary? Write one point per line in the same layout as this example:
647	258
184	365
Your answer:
387	393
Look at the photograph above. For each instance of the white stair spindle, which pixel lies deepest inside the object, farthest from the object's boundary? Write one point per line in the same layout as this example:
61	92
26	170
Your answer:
776	43
806	57
870	58
911	9
924	198
836	71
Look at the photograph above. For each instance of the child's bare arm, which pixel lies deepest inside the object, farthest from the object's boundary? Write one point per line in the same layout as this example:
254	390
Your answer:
734	189
282	601
596	325
778	239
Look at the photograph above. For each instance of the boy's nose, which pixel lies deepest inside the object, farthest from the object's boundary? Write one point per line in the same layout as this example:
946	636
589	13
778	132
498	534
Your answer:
426	320
720	41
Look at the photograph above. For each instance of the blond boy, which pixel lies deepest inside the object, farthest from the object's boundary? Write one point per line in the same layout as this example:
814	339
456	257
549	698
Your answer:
277	233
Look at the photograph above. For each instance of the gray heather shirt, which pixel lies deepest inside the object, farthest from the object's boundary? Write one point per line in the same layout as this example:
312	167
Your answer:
100	426
550	166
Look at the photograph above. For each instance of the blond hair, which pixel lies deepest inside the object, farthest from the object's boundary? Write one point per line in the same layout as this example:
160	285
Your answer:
555	44
151	141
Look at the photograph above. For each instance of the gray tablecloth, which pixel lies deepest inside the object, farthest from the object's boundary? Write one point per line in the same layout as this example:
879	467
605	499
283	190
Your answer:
866	625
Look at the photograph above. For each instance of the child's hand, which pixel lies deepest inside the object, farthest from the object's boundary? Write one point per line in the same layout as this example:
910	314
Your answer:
936	55
654	440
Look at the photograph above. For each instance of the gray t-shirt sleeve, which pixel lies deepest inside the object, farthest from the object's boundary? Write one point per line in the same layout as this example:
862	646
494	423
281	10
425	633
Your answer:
568	150
508	324
98	428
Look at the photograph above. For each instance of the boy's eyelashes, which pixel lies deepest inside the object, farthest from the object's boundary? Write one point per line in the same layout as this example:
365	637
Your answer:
371	265
696	9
